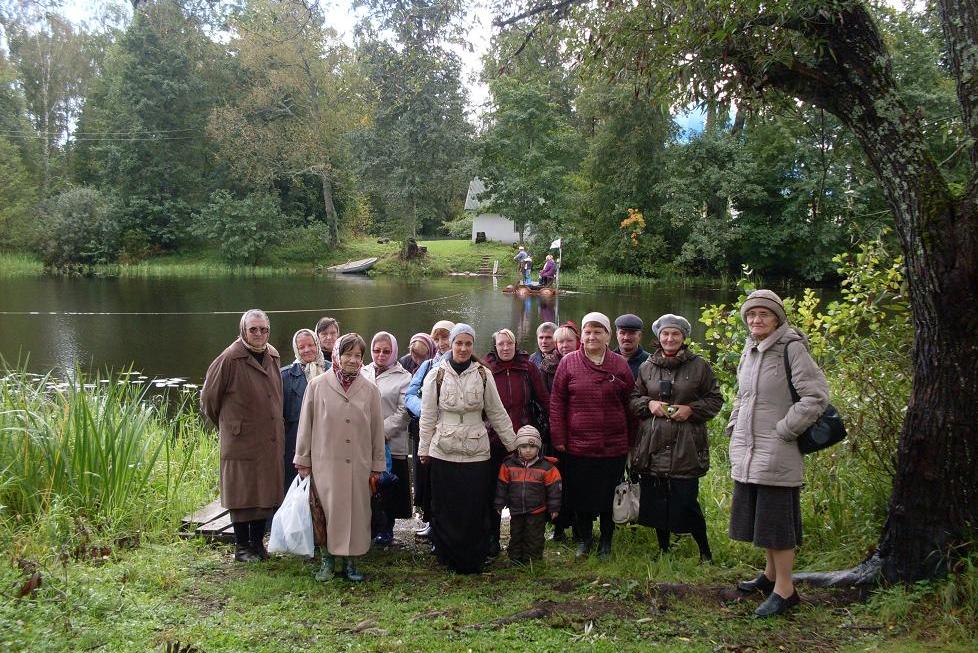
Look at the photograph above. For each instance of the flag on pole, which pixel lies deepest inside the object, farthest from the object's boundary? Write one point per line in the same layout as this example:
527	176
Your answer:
555	244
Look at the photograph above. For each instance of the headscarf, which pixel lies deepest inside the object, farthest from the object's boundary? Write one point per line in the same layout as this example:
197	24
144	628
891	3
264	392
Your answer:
252	312
318	366
346	378
460	329
380	335
428	341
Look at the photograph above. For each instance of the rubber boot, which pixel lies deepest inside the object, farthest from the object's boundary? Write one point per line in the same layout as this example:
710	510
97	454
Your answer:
325	572
604	549
583	549
352	574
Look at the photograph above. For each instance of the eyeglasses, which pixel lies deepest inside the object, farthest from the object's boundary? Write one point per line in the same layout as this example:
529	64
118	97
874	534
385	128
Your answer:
256	330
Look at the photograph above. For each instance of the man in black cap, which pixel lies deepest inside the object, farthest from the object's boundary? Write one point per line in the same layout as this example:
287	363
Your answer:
628	329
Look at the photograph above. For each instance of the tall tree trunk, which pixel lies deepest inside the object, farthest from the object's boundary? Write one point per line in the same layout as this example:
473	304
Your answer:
332	218
934	504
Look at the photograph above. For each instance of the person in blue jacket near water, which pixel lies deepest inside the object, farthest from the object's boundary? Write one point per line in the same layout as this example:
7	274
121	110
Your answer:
412	402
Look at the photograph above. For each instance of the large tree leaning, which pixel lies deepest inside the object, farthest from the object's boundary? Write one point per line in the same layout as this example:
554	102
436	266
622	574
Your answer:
831	54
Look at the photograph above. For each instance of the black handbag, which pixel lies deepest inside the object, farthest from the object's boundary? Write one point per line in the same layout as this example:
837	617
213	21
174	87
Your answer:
827	430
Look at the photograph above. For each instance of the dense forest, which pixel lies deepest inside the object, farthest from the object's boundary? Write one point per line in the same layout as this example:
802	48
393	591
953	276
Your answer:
178	125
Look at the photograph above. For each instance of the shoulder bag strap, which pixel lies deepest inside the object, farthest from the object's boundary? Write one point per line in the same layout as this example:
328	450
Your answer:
787	370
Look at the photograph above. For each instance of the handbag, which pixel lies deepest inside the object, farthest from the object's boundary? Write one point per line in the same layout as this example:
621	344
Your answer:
624	508
827	430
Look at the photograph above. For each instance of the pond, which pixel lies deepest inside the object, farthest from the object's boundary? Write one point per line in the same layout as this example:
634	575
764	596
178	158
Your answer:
173	328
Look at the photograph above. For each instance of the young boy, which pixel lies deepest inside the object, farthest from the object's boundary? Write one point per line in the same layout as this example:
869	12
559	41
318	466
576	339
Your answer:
530	485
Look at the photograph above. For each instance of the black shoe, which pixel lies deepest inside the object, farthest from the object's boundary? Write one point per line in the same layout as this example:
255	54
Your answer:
774	604
559	535
245	554
260	551
604	550
583	549
760	584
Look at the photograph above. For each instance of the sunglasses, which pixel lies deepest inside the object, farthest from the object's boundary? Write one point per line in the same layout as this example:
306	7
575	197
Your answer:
257	330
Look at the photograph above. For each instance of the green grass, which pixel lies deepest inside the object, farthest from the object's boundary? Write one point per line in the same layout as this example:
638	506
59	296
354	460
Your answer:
444	256
19	265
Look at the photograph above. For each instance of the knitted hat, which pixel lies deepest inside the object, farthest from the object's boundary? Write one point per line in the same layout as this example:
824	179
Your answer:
764	299
672	321
630	322
458	330
600	318
442	325
528	435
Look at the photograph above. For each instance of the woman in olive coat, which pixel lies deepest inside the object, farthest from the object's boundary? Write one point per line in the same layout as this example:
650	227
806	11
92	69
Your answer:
675	396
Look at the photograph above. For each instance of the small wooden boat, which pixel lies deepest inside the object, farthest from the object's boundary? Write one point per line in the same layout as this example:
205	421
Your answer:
354	267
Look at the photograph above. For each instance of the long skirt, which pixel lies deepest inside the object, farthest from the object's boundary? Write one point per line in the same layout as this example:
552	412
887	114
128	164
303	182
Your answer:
397	499
459	513
670	504
590	482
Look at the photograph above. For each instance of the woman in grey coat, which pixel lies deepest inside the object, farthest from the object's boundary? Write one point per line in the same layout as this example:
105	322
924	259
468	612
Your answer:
765	461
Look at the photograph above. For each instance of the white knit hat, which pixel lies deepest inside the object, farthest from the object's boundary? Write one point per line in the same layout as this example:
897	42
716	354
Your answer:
600	318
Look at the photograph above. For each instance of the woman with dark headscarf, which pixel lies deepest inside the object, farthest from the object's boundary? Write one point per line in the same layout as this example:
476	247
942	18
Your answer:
341	443
392	380
309	363
675	395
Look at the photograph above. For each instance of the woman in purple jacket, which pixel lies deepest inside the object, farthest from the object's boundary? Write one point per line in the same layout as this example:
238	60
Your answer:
591	428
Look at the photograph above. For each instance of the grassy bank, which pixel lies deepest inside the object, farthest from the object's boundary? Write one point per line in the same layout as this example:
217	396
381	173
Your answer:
444	256
95	481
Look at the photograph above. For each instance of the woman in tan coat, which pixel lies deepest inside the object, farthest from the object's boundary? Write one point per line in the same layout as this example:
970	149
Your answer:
341	443
765	461
242	396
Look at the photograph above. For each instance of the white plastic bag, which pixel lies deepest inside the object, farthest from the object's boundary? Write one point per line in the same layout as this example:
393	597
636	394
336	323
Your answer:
292	523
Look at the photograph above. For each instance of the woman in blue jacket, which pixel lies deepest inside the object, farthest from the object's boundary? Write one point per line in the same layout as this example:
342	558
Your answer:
309	363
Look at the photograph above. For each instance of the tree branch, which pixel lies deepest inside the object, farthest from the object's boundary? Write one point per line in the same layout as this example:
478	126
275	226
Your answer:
539	9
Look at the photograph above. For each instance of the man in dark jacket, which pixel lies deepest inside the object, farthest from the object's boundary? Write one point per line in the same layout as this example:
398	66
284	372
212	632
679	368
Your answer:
628	330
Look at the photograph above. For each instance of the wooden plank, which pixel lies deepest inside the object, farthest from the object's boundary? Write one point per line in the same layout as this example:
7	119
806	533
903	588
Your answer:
208	513
219	529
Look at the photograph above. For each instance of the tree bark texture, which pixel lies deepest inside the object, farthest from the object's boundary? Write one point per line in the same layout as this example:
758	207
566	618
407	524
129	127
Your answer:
332	218
934	506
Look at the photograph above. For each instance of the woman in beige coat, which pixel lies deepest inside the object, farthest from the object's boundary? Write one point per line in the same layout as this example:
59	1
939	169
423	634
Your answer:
765	461
454	442
242	396
341	443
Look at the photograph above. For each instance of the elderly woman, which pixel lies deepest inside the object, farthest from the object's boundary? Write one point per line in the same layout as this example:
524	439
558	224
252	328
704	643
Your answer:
549	271
765	461
420	348
525	397
392	380
591	428
309	364
455	443
341	443
440	332
675	395
242	395
567	338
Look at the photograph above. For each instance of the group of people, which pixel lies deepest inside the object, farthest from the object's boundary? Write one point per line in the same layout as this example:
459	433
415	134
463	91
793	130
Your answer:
524	265
548	436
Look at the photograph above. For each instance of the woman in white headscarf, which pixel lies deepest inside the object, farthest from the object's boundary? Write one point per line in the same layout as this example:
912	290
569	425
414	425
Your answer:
392	380
308	364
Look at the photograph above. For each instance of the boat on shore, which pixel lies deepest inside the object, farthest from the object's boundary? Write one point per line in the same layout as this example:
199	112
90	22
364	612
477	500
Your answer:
522	290
354	267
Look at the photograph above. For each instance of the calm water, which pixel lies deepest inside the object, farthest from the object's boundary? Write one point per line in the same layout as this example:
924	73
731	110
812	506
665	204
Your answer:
169	328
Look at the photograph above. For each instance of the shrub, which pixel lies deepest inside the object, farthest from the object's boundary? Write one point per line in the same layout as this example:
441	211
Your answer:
243	229
459	226
78	227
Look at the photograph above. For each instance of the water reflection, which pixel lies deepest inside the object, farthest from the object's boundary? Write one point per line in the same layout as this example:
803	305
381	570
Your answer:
118	322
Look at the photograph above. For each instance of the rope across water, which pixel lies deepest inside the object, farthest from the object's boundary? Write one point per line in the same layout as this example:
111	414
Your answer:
239	312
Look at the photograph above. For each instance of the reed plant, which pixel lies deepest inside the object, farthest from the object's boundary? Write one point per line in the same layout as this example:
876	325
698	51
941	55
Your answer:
18	264
96	453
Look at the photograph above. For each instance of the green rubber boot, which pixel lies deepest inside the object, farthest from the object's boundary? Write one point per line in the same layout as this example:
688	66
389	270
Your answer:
352	573
325	572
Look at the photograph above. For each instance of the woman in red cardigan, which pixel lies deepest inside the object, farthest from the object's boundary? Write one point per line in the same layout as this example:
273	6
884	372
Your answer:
591	428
